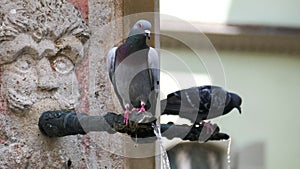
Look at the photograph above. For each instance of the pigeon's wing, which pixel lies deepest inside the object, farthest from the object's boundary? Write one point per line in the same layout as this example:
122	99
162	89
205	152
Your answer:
153	68
153	64
185	101
110	62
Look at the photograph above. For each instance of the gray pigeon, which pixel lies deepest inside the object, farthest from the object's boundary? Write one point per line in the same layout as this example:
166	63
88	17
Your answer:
200	103
134	71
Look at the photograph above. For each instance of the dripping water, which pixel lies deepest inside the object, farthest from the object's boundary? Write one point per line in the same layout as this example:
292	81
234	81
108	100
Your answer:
164	155
136	140
228	153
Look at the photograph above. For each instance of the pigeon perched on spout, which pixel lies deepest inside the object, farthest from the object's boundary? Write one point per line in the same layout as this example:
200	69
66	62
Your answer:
133	69
200	103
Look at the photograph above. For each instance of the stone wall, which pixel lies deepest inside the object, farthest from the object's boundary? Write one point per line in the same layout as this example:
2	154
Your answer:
52	57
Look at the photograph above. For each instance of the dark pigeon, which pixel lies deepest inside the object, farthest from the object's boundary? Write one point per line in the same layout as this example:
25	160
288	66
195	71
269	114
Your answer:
134	71
200	103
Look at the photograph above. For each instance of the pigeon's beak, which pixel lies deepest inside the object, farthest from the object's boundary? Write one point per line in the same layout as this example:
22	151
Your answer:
240	110
147	34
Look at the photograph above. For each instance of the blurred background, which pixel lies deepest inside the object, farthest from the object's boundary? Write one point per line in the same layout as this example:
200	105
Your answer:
257	47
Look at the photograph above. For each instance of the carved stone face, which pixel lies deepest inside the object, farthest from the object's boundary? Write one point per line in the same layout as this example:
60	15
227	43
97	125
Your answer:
42	70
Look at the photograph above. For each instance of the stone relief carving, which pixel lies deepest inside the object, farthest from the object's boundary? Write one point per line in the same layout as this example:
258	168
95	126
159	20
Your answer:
40	43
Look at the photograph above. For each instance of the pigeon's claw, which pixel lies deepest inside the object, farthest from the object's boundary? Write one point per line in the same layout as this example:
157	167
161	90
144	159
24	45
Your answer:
126	115
136	109
140	110
209	127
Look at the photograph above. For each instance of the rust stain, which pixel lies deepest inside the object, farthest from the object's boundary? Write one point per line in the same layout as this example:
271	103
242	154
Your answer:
2	141
82	70
3	107
82	6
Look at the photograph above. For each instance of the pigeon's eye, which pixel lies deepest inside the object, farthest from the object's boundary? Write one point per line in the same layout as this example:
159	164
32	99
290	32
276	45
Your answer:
140	25
24	64
63	64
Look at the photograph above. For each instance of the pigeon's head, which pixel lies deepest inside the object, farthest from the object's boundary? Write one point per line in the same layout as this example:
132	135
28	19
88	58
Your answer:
236	101
141	27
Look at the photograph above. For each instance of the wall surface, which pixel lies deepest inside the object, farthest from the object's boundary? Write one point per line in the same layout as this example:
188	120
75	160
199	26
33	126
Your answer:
52	57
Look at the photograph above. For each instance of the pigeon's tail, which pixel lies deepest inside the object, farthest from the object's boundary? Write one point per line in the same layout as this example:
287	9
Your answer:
170	107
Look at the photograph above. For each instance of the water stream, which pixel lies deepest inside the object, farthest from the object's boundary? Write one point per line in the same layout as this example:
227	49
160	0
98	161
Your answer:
163	152
228	153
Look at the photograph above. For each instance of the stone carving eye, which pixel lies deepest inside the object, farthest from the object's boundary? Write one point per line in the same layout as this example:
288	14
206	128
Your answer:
24	64
63	64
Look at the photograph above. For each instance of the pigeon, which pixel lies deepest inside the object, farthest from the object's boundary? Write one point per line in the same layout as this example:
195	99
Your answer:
200	103
133	70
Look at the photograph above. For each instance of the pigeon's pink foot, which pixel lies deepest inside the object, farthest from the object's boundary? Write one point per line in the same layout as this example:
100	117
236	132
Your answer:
126	114
209	126
142	109
136	109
